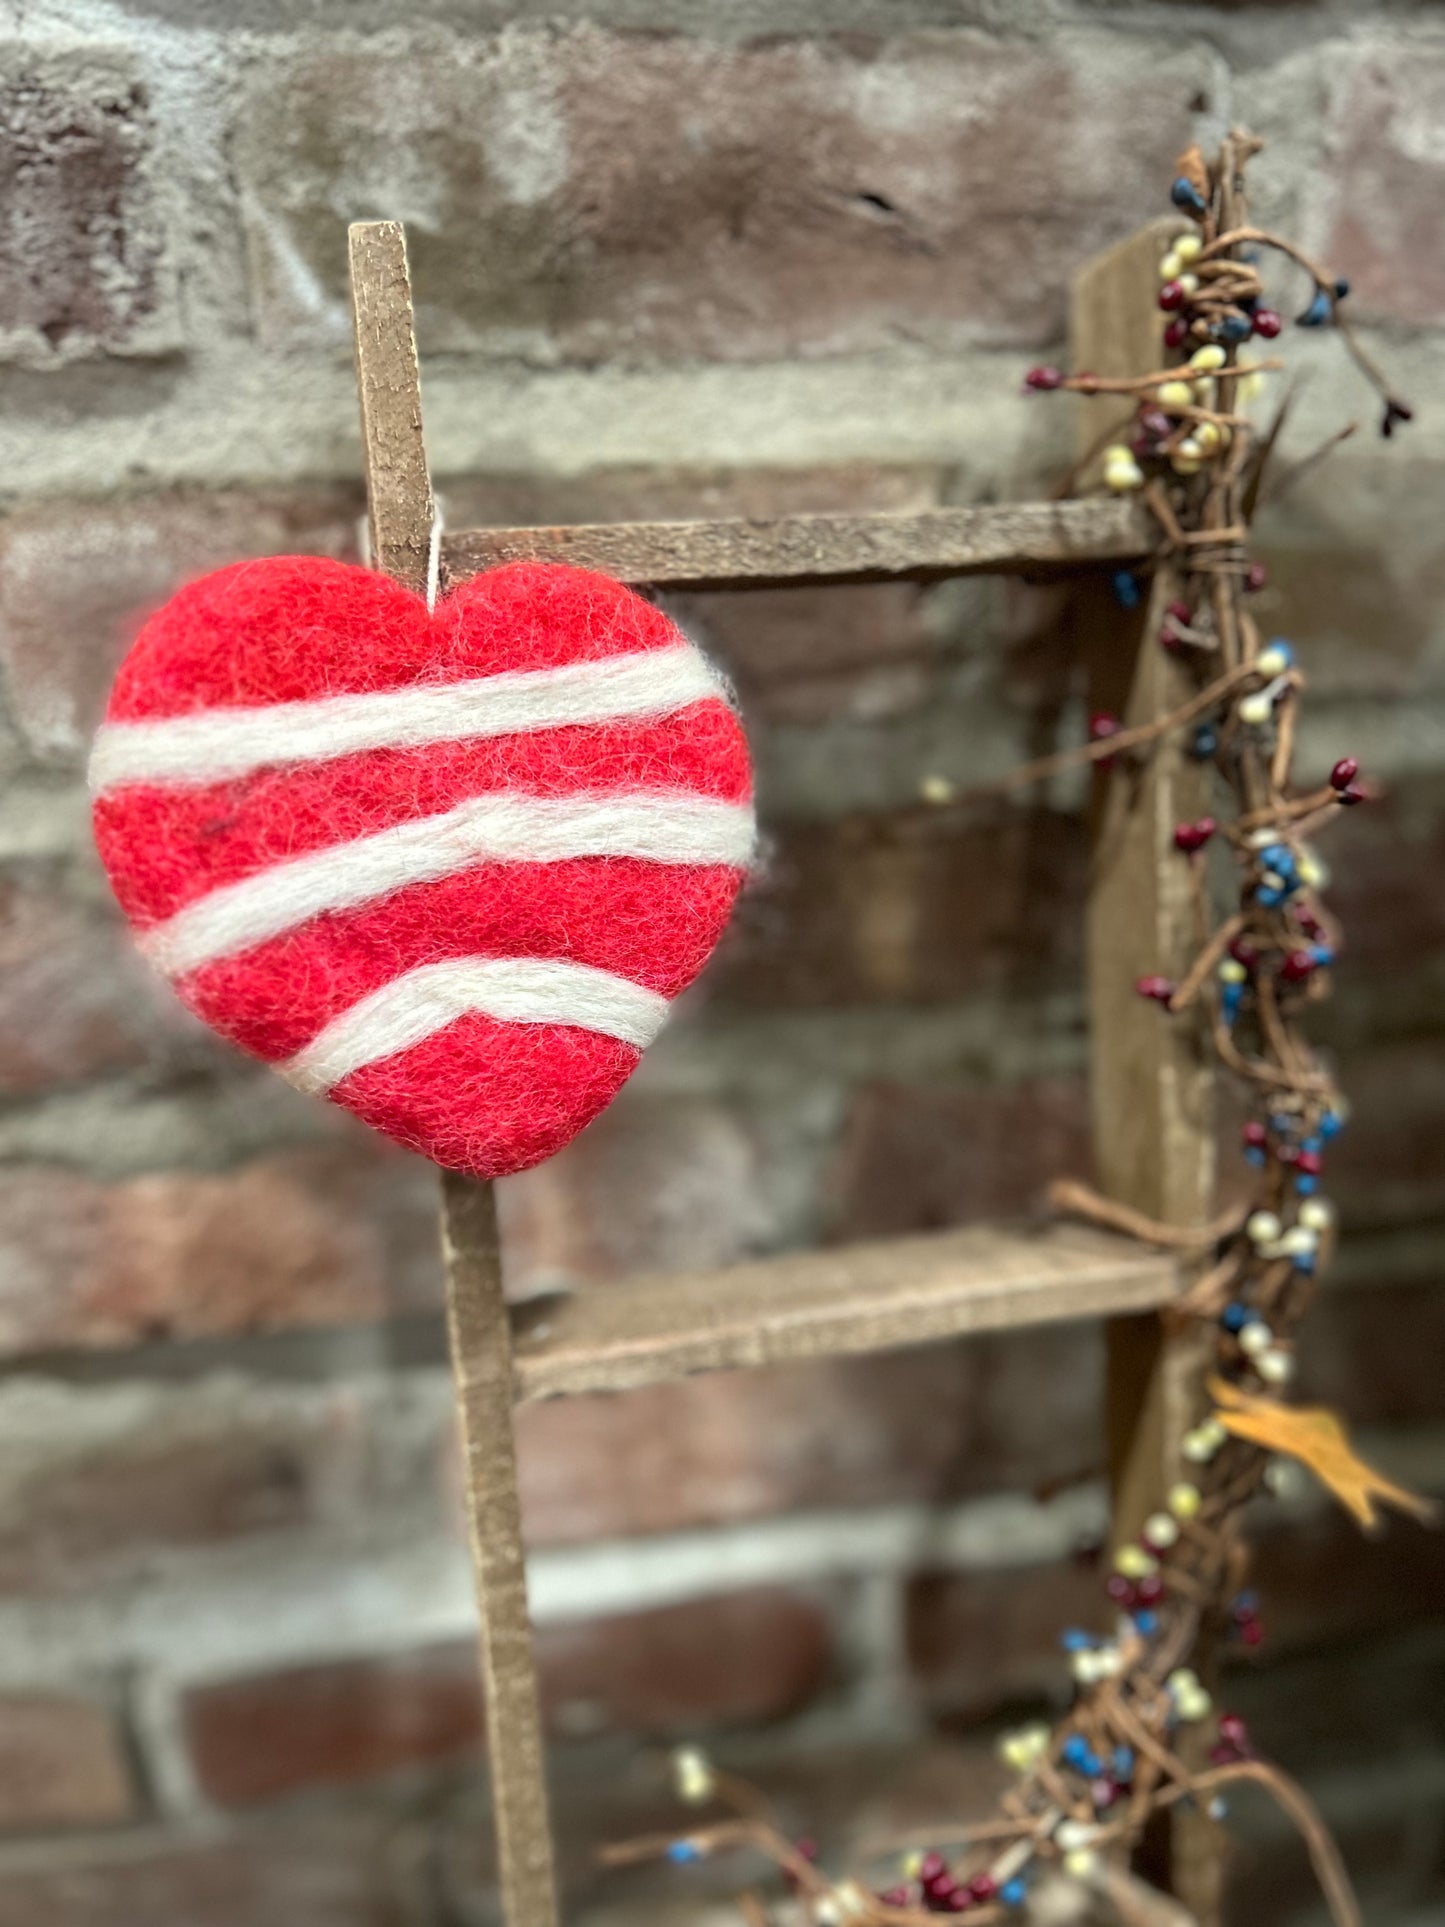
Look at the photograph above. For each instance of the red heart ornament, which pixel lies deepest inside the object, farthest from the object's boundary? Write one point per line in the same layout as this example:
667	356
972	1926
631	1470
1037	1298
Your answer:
447	868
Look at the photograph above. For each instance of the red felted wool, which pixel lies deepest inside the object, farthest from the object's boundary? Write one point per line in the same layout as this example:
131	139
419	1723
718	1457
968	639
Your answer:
446	867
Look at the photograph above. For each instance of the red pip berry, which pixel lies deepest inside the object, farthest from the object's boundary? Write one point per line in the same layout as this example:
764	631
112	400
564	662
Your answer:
1042	379
1192	837
1155	423
1170	638
1233	1731
1344	772
1251	1632
895	1897
1102	726
1255	577
983	1886
1244	952
1310	1163
1176	333
1297	966
960	1900
1172	296
1179	612
1151	1589
1159	990
1255	1134
933	1864
1121	1590
1353	793
1268	322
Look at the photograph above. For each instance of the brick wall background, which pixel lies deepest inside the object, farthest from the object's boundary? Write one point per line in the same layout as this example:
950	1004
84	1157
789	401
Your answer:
671	257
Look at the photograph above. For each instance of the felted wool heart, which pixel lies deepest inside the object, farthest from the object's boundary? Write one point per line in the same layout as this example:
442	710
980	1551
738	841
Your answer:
448	868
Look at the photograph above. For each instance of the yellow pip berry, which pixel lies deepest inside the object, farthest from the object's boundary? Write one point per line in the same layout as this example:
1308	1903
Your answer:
1174	395
1134	1563
1208	358
1172	266
1185	1499
1188	247
1123	476
936	789
1273	660
1256	709
1208	436
1231	971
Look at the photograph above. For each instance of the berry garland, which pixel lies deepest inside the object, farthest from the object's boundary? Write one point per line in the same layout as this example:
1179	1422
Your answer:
1085	1787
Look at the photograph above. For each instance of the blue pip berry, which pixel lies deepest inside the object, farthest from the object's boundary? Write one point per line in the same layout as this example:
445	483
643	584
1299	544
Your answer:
1306	1184
1074	1641
1278	857
683	1851
1126	589
1235	1317
1269	897
1204	742
1123	1763
1186	195
1236	327
1013	1893
1322	955
1331	1124
1147	1623
1231	996
1305	1262
1254	1155
1342	288
1317	313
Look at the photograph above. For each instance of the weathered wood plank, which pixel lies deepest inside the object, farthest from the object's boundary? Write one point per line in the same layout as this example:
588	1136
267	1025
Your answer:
819	1304
398	488
482	1363
1017	538
1152	1084
400	505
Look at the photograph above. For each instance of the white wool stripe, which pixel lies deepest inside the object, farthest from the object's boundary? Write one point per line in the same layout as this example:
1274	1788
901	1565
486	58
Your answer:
661	826
214	745
518	990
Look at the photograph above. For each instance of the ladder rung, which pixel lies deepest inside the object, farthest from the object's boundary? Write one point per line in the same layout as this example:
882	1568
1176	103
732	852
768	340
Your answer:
819	1304
1008	538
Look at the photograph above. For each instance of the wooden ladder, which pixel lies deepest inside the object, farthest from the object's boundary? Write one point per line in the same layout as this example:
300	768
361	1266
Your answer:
1150	1087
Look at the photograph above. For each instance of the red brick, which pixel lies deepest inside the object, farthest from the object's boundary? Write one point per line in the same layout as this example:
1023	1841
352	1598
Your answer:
75	999
100	1484
1324	1582
656	1184
910	909
325	1869
590	195
81	242
917	1159
62	1764
980	1641
1386	178
743	1657
1389	1165
1374	1351
949	1421
77	579
254	1740
740	1659
318	1236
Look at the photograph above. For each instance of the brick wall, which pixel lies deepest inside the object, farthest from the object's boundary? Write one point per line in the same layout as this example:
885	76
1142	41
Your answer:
671	258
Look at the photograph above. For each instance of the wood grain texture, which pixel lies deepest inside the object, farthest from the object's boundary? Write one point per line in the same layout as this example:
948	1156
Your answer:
482	1363
822	1304
1021	538
398	488
1152	1081
399	501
